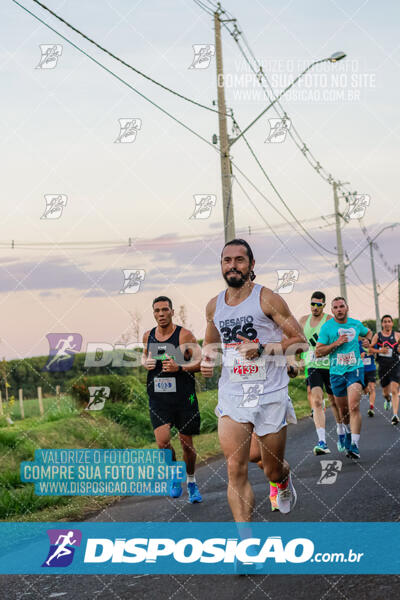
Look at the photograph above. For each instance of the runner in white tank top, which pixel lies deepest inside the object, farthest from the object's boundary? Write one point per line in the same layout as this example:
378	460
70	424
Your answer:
251	321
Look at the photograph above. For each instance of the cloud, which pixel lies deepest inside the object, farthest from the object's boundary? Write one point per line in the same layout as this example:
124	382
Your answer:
169	260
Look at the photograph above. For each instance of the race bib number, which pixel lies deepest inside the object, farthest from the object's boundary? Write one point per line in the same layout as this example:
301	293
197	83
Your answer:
349	358
388	354
247	370
164	384
367	360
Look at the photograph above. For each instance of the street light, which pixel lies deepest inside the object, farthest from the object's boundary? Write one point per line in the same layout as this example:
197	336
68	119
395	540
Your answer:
370	241
335	57
374	284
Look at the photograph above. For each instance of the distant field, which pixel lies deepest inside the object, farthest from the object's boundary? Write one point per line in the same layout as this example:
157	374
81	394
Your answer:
66	426
31	406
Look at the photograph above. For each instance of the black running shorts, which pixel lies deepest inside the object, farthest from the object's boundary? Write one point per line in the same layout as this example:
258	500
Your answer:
369	376
388	373
319	378
184	415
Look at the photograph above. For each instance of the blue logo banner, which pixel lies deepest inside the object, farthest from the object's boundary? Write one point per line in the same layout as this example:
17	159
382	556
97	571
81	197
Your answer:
196	548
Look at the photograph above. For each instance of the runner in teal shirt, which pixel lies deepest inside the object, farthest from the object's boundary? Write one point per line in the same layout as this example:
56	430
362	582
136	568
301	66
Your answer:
345	357
338	338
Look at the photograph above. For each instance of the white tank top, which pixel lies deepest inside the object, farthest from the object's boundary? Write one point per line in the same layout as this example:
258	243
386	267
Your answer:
267	373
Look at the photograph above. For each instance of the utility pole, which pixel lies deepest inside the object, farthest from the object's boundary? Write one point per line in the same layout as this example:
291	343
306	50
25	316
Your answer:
376	297
339	244
226	167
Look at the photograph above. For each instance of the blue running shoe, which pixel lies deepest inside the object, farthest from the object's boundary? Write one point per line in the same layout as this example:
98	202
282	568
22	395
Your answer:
347	441
194	494
353	451
321	448
341	442
175	489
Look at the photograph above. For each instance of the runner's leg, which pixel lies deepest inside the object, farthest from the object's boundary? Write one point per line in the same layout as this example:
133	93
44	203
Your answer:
372	396
272	448
334	408
255	457
395	401
317	399
235	439
163	438
189	452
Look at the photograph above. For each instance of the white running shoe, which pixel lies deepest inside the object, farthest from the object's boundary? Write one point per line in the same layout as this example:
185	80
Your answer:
287	498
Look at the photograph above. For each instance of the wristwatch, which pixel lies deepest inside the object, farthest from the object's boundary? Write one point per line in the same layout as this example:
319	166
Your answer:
180	369
260	349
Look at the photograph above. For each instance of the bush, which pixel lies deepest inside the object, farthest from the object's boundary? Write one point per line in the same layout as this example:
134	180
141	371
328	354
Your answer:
122	389
209	420
136	420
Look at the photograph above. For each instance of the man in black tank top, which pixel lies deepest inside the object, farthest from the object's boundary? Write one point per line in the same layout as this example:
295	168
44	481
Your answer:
385	346
171	356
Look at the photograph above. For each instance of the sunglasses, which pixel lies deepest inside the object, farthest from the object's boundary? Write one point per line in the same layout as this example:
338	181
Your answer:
317	304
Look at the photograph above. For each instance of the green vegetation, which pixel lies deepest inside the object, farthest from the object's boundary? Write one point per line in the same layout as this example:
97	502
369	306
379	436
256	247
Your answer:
121	424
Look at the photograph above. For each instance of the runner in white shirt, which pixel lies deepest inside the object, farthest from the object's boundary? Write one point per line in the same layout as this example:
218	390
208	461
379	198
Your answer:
250	321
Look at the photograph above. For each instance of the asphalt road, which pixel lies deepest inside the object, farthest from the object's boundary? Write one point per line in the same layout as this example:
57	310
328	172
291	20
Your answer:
368	490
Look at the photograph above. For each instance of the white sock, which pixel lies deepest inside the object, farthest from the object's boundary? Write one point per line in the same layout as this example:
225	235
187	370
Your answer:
347	428
354	438
340	429
190	478
321	434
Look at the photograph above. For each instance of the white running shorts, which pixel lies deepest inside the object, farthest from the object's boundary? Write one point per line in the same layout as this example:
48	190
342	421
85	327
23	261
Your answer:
271	413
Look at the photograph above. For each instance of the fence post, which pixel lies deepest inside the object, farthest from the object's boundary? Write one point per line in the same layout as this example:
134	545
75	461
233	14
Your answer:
58	395
21	403
1	405
39	395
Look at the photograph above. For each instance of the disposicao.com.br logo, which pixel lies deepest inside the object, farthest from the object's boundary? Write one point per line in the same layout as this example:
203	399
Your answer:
212	550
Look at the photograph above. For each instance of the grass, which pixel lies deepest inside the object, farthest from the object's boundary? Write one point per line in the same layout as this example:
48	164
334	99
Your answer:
51	406
117	426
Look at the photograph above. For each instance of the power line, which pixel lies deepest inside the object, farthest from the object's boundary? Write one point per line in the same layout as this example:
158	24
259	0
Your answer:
392	270
276	235
142	95
123	62
279	195
117	76
145	97
259	73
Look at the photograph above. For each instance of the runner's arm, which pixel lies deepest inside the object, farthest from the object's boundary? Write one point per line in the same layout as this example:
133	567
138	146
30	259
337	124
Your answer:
147	362
372	349
212	334
277	309
190	350
211	340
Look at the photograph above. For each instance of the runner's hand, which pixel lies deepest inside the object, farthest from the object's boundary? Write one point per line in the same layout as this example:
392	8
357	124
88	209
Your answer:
169	365
292	371
342	339
207	366
247	348
149	363
384	350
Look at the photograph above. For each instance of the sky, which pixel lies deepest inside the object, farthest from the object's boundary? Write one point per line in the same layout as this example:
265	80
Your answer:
60	131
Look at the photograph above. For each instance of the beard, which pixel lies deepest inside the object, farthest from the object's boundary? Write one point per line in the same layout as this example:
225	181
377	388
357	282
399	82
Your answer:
236	282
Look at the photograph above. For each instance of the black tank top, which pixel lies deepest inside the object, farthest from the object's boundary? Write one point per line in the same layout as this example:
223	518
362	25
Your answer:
390	341
168	386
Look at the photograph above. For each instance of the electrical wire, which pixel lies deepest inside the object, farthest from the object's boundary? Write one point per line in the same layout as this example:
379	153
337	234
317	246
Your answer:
280	196
116	76
123	62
